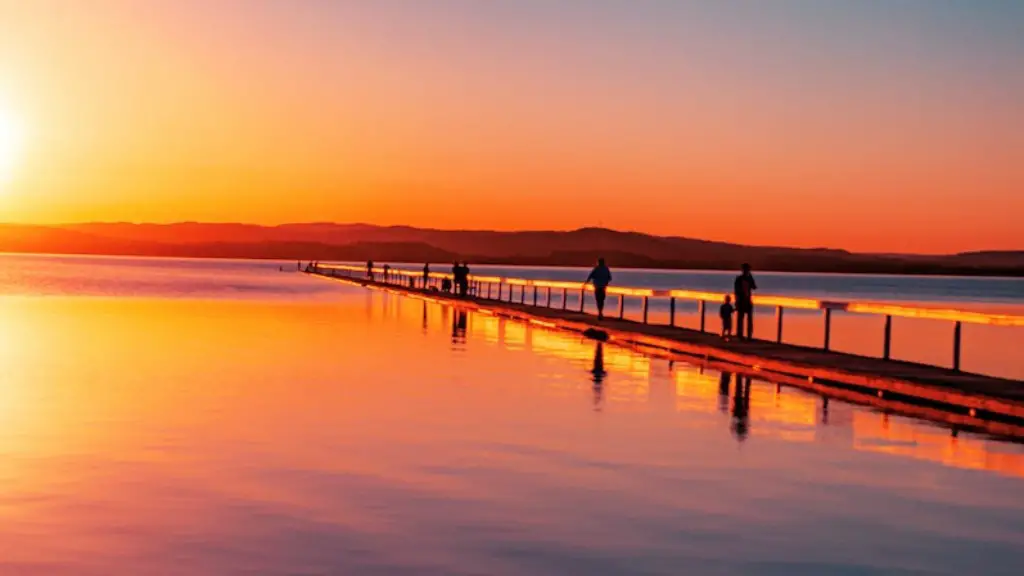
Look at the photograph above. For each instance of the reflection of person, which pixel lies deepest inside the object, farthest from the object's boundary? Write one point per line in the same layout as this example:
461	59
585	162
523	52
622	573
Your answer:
724	381
744	288
726	313
600	277
741	409
599	375
459	326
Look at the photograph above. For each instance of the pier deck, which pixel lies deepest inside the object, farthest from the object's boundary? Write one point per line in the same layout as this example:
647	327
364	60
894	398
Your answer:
977	397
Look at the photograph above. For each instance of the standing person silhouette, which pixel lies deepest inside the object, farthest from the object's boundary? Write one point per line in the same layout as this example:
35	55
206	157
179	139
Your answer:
744	289
601	277
464	279
457	277
426	275
369	269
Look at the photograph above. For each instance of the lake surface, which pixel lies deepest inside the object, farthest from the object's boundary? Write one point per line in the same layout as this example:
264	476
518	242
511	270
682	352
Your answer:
224	417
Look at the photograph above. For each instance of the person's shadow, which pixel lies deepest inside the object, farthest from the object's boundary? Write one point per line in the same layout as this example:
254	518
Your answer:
599	374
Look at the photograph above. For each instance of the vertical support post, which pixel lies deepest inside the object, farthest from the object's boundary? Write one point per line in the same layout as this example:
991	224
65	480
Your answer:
622	306
522	294
703	308
672	311
549	297
828	328
956	345
778	323
535	296
565	298
647	301
583	299
887	343
489	284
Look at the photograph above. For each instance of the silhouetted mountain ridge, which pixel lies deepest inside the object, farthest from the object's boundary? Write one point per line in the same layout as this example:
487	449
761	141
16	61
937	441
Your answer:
331	241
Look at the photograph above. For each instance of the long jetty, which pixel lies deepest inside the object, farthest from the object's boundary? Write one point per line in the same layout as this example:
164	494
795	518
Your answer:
961	399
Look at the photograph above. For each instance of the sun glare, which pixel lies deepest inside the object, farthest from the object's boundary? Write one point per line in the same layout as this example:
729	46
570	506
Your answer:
10	144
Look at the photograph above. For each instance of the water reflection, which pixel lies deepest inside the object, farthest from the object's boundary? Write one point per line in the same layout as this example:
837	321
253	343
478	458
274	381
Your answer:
459	319
598	372
783	412
724	382
740	424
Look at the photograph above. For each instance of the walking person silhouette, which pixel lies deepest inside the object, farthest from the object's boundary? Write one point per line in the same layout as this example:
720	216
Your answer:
600	277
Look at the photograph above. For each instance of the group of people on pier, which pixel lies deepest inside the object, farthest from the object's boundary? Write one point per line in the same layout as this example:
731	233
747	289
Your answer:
740	303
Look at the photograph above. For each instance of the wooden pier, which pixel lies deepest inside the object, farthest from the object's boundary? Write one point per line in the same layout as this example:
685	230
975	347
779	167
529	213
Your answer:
961	399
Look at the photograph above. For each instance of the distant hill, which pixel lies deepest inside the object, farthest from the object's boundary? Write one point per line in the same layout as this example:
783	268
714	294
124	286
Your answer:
329	241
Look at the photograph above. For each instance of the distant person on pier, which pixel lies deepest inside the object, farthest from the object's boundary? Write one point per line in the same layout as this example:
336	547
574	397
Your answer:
601	277
426	275
369	269
726	313
387	272
456	277
744	289
464	279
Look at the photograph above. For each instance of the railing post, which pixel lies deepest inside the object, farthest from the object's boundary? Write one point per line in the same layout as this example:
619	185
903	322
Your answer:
703	308
828	327
672	311
565	298
549	297
522	294
622	306
887	343
535	296
956	345
489	284
778	323
647	301
583	299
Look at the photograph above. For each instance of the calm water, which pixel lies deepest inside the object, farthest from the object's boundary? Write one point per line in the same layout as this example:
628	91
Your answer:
228	418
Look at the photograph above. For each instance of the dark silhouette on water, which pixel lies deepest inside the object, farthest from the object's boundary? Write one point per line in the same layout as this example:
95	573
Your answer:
741	409
744	287
598	372
426	275
459	326
600	277
369	269
724	381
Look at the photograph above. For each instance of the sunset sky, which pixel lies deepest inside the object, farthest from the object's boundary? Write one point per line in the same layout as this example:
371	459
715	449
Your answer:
869	125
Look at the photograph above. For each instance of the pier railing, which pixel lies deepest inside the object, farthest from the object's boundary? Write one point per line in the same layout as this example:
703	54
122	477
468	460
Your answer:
540	294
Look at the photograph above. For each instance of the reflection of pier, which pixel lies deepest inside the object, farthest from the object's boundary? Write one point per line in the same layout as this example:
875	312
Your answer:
748	403
966	400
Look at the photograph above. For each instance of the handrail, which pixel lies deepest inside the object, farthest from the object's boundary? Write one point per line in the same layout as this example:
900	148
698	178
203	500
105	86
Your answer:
877	308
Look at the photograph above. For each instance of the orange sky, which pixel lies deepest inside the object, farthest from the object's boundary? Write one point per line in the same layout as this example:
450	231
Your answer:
883	127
